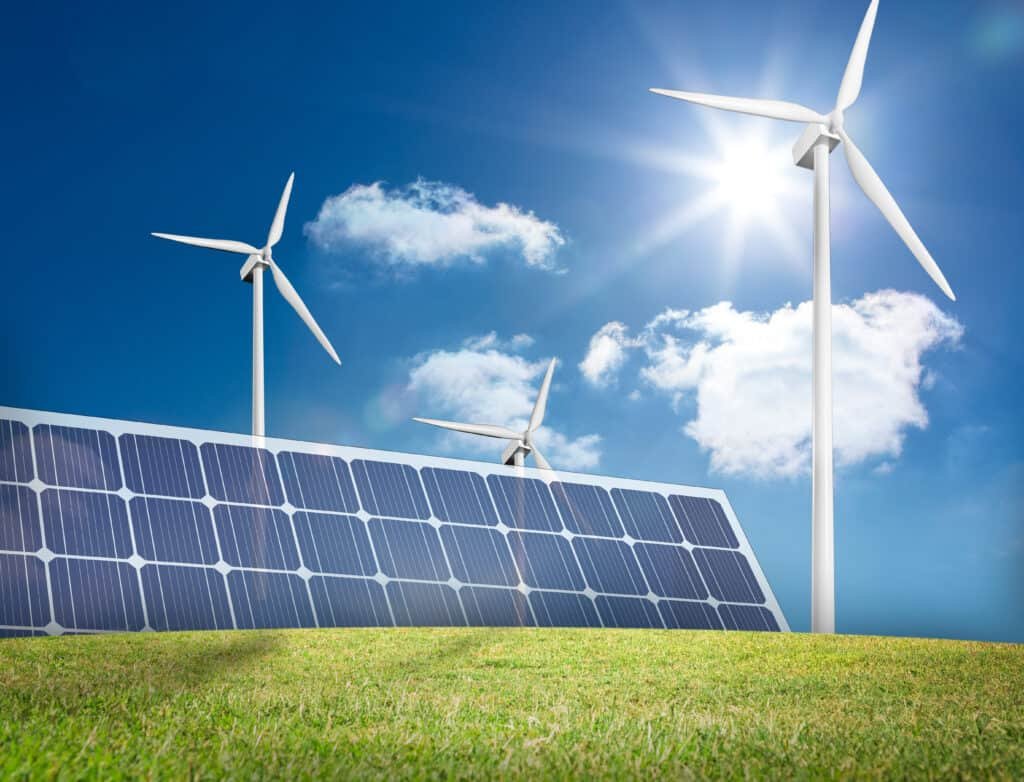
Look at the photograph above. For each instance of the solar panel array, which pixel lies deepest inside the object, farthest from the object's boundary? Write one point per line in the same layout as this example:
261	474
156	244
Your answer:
116	526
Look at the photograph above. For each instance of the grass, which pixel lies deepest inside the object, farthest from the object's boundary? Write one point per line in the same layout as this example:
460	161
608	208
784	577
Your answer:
527	704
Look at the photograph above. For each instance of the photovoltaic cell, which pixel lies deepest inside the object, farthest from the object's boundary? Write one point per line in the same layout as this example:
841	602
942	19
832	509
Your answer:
131	526
318	482
255	537
388	489
586	510
349	602
79	458
610	566
747	618
23	600
491	607
524	503
459	496
563	609
86	523
670	571
334	544
479	556
408	549
687	615
173	530
728	576
236	473
703	521
19	519
646	516
161	465
15	452
263	600
424	605
545	561
92	594
627	612
185	598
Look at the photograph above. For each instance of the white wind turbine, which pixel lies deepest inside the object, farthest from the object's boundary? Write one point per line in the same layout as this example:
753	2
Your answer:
252	272
812	151
522	442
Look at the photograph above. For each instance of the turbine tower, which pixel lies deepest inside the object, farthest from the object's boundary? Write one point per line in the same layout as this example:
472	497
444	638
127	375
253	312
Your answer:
521	442
812	150
252	272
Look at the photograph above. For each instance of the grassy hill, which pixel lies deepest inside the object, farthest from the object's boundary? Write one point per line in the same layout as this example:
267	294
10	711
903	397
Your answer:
465	703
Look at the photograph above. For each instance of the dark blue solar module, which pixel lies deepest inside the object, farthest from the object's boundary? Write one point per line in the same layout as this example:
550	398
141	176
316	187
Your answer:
173	531
185	598
79	458
670	571
545	561
610	566
318	482
703	521
646	515
161	465
113	526
479	556
687	615
15	452
334	544
86	523
524	503
459	496
491	607
728	576
627	612
563	609
388	489
747	617
19	519
586	510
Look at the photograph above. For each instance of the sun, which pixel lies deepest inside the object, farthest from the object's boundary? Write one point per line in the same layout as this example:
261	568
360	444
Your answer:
750	186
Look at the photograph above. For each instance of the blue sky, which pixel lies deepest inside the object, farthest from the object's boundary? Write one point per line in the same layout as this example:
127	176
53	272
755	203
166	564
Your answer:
124	120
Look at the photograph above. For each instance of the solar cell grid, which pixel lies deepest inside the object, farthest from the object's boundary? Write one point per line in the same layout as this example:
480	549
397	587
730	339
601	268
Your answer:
15	452
133	527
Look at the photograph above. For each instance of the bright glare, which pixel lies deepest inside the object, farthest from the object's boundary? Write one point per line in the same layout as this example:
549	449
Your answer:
750	181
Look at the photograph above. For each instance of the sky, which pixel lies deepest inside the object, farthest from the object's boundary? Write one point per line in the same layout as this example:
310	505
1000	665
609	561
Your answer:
483	187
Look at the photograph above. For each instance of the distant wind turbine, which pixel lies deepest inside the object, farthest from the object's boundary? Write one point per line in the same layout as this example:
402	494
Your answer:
812	151
252	271
522	442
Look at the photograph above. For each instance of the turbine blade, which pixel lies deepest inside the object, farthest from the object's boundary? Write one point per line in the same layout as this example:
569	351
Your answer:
286	289
775	109
225	245
487	430
277	227
874	189
541	461
849	89
537	417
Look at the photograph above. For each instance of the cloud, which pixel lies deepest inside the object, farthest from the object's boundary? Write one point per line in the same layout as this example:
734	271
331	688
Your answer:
481	382
431	224
606	354
748	377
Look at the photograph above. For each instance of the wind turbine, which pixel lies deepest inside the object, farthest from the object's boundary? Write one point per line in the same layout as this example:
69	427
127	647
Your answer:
812	150
522	442
252	272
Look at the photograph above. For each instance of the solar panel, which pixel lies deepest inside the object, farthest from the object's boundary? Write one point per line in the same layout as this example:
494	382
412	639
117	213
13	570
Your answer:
116	526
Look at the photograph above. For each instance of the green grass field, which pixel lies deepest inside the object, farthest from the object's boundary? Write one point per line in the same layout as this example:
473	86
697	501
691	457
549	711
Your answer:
528	704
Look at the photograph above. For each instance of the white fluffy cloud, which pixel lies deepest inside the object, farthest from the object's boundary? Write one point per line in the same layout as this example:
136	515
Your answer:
749	375
607	353
484	382
431	224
